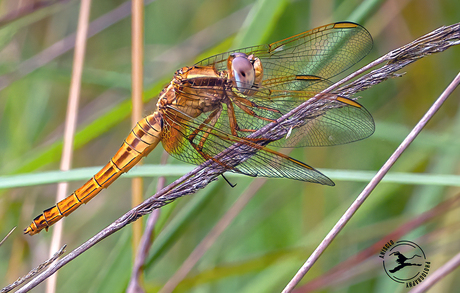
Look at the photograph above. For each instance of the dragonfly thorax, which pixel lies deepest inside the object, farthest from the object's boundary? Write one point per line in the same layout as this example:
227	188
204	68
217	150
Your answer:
194	90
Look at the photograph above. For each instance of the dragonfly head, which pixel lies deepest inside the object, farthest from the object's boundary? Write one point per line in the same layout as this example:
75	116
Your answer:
245	72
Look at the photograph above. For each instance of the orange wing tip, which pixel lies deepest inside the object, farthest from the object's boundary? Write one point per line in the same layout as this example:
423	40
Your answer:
299	162
307	77
345	25
348	102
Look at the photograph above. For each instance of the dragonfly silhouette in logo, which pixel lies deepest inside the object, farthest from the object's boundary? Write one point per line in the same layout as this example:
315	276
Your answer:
402	261
225	98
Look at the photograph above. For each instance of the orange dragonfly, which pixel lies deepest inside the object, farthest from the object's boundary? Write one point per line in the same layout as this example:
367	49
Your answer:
225	98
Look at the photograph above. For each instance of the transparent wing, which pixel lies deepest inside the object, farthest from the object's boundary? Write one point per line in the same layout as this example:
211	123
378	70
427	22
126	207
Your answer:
324	52
330	120
208	142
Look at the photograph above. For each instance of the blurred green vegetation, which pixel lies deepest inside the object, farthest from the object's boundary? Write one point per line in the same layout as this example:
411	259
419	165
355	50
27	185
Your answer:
279	228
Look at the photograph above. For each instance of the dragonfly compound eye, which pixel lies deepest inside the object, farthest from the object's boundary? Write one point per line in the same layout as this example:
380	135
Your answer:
243	74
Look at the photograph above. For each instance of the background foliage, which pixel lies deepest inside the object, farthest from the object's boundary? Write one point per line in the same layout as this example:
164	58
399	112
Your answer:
285	220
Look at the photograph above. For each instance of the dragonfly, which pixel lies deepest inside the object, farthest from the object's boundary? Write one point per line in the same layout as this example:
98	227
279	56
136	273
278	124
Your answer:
224	99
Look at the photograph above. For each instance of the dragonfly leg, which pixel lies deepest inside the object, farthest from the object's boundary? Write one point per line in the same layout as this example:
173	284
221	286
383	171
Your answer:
248	103
208	157
234	127
210	121
229	183
252	113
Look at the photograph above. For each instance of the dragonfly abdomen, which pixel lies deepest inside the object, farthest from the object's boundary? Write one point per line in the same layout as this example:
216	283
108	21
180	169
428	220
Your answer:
142	139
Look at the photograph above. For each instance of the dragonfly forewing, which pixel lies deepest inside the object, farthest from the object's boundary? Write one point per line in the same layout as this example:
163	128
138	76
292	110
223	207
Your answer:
254	159
325	52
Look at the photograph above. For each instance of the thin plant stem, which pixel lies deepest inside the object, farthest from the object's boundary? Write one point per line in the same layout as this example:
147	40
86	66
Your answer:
62	46
70	123
370	187
212	236
7	235
27	9
137	70
34	272
438	275
146	241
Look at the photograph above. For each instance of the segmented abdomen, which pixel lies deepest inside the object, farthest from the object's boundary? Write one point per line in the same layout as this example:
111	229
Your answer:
143	138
